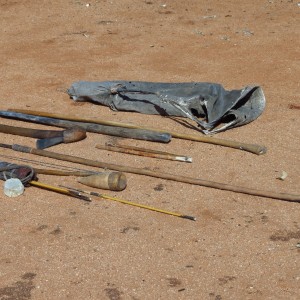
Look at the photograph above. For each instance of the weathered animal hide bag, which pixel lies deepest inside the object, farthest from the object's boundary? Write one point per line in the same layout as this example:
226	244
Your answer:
212	107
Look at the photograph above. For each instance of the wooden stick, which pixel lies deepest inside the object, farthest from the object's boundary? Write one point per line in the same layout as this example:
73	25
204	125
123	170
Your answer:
143	152
52	165
62	172
167	176
256	149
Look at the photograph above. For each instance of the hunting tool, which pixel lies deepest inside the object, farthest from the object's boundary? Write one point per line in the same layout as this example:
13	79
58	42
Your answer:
47	138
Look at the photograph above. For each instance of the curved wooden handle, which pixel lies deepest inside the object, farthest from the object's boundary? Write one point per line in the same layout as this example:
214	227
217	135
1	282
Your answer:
253	148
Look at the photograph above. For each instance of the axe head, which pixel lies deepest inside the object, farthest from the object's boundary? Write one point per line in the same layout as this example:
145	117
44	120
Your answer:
46	143
69	135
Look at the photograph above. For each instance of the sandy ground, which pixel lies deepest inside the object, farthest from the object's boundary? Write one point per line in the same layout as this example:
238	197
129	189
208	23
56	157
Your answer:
241	246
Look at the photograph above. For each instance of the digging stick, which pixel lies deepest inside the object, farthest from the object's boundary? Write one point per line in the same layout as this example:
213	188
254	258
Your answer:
162	175
253	148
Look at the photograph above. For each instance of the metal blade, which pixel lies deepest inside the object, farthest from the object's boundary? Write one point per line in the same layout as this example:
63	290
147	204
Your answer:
46	143
7	146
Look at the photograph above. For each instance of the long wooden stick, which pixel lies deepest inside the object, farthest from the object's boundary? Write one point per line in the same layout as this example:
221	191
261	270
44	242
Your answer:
253	148
168	176
62	172
69	170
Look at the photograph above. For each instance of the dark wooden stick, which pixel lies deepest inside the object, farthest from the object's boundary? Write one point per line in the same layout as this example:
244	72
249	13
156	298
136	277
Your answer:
167	176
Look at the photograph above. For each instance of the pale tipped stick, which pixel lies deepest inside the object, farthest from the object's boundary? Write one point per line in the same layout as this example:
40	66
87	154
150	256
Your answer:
130	203
144	152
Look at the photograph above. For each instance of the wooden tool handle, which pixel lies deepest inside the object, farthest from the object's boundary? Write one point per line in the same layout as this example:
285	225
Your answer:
253	148
29	132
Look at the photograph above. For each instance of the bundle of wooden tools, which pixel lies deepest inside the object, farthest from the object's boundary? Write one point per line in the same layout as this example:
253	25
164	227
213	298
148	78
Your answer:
113	176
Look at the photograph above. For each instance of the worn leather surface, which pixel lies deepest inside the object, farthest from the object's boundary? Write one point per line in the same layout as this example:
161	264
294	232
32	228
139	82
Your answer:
209	104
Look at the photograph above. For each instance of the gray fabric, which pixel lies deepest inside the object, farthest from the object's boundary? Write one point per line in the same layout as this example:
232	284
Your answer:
212	107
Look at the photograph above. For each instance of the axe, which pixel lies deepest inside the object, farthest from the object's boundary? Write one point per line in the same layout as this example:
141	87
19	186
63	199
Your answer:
47	138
